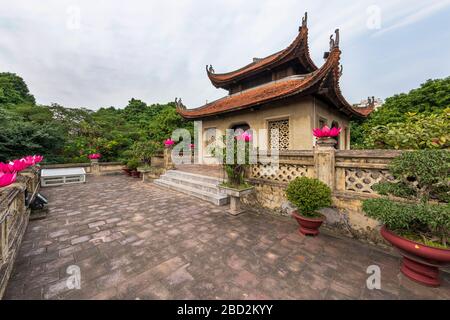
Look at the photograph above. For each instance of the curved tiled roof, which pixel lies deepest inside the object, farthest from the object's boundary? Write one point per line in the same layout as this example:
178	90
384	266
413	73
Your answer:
323	82
298	49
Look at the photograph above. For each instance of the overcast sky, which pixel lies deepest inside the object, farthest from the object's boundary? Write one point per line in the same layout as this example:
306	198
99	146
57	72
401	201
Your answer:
102	53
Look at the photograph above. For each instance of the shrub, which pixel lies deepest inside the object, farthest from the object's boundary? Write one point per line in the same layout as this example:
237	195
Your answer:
422	176
308	195
133	164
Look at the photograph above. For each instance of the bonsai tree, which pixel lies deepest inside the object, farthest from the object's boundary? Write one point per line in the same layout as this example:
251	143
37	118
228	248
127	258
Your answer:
309	195
420	212
133	164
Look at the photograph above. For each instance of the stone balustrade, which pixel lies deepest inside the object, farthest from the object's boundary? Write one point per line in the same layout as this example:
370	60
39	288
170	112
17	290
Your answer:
94	167
350	174
14	215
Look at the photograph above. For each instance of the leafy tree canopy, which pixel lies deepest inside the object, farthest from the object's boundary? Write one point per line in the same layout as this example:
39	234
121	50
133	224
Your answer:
414	120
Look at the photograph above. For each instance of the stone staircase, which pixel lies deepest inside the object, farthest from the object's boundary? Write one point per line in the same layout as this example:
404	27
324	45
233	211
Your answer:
202	187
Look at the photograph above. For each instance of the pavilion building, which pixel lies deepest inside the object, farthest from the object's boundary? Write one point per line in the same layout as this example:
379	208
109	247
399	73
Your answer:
284	91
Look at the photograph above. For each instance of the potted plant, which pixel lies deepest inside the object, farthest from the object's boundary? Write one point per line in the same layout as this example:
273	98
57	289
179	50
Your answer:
132	167
235	186
415	212
308	195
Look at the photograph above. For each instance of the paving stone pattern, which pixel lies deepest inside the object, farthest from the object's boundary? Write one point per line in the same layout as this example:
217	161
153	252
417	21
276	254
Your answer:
138	241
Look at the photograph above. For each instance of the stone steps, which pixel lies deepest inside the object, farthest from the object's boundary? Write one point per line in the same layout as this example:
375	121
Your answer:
202	187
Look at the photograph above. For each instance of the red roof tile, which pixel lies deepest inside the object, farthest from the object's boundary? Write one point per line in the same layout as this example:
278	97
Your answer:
298	49
295	85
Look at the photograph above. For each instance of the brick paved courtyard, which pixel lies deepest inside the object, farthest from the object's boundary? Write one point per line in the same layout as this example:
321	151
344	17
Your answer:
133	240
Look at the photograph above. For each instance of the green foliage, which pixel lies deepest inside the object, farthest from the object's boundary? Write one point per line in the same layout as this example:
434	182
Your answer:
418	131
70	134
133	164
234	168
416	120
308	195
421	175
13	90
396	216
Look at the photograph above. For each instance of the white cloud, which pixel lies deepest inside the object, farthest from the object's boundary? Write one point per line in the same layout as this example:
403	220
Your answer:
156	50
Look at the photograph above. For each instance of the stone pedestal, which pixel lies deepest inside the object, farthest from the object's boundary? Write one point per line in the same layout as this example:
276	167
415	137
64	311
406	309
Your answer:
235	198
95	167
168	164
324	160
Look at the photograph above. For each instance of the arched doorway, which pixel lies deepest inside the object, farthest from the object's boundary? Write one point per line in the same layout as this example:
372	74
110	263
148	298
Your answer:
242	126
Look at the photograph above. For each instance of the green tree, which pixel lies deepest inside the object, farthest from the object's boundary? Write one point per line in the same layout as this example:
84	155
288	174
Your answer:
414	120
14	90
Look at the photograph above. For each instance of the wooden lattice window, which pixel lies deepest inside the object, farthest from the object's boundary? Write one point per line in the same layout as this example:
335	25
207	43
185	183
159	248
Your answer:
279	134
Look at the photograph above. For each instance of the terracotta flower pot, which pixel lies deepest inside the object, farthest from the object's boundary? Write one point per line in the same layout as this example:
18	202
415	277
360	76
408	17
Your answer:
420	262
127	171
308	226
136	174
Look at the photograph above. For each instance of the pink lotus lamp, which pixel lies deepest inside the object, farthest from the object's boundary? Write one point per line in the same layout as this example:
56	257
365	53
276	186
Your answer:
169	143
94	156
7	178
326	132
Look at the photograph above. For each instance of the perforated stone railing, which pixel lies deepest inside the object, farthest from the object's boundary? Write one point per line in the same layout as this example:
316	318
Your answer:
285	168
352	171
357	171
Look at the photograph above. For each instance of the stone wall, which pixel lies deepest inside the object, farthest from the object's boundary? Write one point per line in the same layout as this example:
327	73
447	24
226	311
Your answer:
14	215
349	173
99	168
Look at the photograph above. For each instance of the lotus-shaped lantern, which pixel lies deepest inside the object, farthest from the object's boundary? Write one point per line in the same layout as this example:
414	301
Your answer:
20	164
247	137
326	132
94	156
169	143
6	168
7	178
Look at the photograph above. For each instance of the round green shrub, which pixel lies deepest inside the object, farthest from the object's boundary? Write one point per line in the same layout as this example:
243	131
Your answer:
308	195
133	164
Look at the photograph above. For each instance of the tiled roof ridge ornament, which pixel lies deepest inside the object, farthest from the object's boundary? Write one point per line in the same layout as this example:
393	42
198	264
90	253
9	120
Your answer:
179	104
334	43
304	22
210	69
341	71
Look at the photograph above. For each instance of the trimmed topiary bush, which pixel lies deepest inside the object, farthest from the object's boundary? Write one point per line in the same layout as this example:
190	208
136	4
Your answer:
422	177
308	195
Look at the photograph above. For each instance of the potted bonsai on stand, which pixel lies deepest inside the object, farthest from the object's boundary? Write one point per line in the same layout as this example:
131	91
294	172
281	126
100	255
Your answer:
308	195
417	218
235	186
132	167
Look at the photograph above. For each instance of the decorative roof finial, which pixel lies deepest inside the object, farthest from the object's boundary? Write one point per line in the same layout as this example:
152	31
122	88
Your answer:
304	21
179	104
341	71
209	69
334	43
